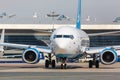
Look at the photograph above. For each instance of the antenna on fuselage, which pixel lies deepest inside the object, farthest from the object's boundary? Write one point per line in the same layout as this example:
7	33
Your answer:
78	23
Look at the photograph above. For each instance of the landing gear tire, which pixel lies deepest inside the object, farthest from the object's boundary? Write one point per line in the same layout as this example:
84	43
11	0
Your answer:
63	66
94	62
90	64
97	64
53	64
46	63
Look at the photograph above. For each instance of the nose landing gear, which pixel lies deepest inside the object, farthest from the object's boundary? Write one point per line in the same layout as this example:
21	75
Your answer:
63	63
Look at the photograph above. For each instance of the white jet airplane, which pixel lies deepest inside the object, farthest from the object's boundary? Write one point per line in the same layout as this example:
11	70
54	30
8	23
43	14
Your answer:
69	43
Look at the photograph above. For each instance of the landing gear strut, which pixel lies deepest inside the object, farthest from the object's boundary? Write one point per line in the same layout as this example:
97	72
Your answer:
95	62
49	61
63	63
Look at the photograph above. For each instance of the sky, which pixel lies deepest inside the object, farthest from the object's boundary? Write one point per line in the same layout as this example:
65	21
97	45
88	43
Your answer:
100	11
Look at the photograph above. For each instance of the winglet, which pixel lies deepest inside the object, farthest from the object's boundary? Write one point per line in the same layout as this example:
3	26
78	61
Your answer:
78	23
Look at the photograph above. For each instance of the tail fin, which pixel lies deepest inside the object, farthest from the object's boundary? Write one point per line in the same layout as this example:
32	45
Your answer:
78	23
2	41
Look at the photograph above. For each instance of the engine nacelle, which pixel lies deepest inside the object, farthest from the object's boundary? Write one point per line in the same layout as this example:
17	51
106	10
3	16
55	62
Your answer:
31	56
108	56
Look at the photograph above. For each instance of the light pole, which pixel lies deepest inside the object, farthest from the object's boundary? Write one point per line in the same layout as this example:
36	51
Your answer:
53	15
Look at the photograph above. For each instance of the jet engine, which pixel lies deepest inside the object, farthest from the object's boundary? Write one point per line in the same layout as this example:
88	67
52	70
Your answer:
108	56
31	56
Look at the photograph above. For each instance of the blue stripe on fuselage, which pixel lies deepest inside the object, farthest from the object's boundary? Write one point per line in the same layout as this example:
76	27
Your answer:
71	56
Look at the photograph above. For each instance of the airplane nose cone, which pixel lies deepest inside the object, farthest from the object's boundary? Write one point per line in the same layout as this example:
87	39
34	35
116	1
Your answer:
61	46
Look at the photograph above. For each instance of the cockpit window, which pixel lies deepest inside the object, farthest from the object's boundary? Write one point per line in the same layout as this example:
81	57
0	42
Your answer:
57	36
63	36
68	36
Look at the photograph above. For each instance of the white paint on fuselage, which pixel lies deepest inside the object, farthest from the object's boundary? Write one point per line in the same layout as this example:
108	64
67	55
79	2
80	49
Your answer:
75	44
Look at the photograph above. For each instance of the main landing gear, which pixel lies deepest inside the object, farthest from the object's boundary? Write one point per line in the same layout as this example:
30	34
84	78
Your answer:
49	62
94	62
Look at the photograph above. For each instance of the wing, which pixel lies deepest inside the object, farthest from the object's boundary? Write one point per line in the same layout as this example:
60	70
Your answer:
103	33
96	50
92	50
45	49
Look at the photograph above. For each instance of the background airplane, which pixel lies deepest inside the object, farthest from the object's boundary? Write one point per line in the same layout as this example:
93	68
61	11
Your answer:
4	14
69	43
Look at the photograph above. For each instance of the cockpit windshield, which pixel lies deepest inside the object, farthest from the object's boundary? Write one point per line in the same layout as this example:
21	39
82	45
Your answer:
63	36
57	36
68	36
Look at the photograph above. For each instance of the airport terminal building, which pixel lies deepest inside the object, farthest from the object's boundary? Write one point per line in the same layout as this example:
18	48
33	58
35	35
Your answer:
39	34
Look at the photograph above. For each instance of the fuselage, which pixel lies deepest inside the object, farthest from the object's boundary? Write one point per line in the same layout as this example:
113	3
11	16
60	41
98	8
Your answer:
69	41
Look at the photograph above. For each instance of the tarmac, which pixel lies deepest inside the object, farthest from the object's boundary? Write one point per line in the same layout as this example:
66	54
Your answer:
72	67
74	71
